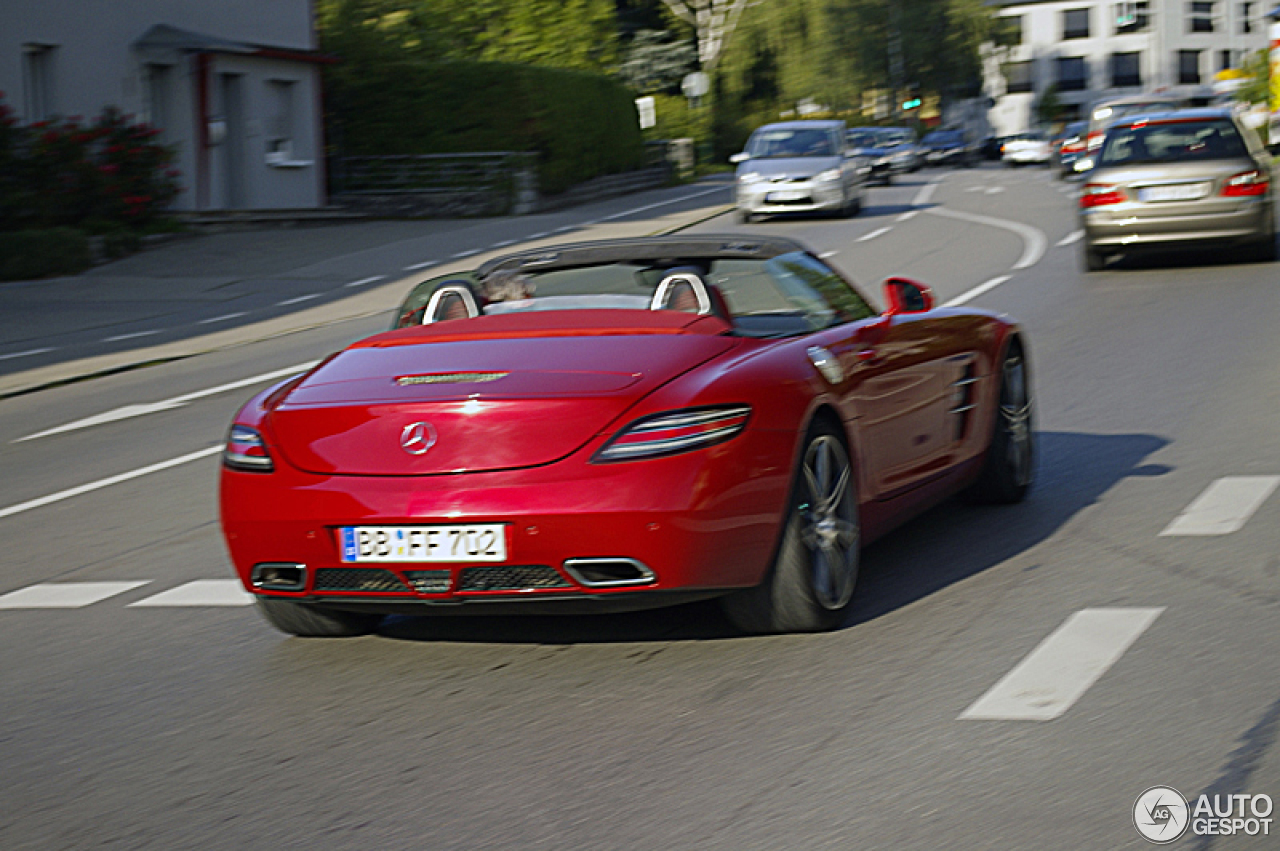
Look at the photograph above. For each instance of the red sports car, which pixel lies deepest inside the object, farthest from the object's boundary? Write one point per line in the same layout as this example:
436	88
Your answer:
617	425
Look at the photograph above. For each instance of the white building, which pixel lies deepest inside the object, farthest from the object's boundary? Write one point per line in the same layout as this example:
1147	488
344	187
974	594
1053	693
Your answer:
233	85
1091	50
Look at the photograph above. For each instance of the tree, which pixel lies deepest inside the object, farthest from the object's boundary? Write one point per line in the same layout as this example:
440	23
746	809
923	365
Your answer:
655	62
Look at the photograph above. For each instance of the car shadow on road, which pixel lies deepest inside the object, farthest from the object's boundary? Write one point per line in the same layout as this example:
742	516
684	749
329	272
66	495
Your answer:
1184	258
948	544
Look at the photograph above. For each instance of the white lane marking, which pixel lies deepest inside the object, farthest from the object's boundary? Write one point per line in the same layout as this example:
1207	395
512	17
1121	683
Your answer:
824	255
298	299
977	291
468	253
363	281
1061	669
994	190
28	353
925	193
1034	240
132	336
166	404
202	592
539	235
425	264
223	318
108	482
873	234
1074	236
64	595
647	207
906	217
974	188
503	244
565	229
1224	507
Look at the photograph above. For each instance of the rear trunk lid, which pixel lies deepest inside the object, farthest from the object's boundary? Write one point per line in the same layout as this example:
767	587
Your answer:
475	395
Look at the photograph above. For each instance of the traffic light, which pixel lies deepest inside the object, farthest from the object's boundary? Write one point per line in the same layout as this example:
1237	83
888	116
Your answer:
912	100
911	104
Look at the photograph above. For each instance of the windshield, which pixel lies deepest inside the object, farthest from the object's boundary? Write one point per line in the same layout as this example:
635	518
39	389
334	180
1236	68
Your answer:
866	138
1173	141
779	143
792	293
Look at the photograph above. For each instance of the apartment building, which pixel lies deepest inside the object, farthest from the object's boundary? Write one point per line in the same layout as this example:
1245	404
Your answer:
1086	51
233	85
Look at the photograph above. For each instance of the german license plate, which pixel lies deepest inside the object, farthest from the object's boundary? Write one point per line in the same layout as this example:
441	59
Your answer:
1177	192
452	544
786	196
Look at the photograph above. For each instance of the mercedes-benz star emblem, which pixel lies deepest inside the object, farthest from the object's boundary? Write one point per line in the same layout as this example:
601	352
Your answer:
417	438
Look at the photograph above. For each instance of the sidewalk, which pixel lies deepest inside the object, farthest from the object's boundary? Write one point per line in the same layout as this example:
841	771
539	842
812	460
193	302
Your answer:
214	291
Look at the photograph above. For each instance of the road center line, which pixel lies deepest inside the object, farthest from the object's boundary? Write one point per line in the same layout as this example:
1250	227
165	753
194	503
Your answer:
647	207
297	299
1224	507
977	291
1074	236
908	216
1061	668
108	482
363	281
873	234
129	411
1034	240
223	318
425	264
132	336
28	353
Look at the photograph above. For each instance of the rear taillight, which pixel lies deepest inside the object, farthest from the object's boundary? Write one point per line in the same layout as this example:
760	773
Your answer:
245	450
1246	183
674	432
1101	194
1072	147
1095	140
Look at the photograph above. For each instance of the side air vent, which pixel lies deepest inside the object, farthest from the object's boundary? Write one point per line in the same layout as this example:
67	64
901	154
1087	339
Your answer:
964	394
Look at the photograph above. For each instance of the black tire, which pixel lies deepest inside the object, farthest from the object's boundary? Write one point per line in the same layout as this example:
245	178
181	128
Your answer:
308	621
801	591
742	216
1009	467
1265	252
1092	259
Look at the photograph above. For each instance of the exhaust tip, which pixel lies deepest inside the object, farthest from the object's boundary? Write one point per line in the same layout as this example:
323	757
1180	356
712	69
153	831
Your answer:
609	572
279	576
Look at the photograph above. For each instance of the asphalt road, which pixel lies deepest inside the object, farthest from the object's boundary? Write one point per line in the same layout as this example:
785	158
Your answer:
134	724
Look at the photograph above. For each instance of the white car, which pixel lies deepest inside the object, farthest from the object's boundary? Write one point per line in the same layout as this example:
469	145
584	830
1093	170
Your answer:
1026	148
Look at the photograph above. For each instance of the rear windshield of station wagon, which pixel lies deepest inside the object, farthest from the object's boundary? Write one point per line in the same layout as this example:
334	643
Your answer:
1172	141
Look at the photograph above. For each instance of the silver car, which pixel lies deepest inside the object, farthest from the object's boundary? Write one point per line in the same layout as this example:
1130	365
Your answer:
1186	177
798	166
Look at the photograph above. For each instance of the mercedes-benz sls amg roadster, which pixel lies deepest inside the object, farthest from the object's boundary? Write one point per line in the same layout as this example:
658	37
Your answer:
617	425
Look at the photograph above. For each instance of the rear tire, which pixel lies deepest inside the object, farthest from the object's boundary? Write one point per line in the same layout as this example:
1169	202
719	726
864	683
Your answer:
809	586
742	216
1093	259
306	621
1009	467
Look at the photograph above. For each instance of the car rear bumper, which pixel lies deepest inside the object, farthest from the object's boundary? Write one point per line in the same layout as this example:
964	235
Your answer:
794	197
1120	227
699	523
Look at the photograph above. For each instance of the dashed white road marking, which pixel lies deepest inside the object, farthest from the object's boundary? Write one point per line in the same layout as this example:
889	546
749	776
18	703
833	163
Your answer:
298	299
1074	236
425	264
133	336
977	291
64	595
1224	507
925	193
873	234
28	353
908	216
1061	668
539	235
566	228
363	281
994	190
1034	240
647	207
128	411
108	482
468	253
826	254
226	317
202	592
503	244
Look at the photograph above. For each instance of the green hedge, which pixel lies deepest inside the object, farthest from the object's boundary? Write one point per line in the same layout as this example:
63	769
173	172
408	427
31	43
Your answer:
29	254
581	124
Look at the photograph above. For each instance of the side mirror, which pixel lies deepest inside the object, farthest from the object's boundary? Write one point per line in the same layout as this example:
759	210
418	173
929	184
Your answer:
739	158
904	295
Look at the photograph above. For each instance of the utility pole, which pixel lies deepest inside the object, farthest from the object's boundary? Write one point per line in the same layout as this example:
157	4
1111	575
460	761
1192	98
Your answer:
895	58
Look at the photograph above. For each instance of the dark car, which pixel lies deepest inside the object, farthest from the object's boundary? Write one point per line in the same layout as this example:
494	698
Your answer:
1069	147
948	147
871	146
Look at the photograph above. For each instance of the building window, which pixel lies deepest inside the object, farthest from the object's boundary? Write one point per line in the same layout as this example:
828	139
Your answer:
1075	23
280	120
1132	16
1224	60
1013	25
1246	18
38	82
1018	77
1073	74
1126	70
155	96
1189	67
1200	16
